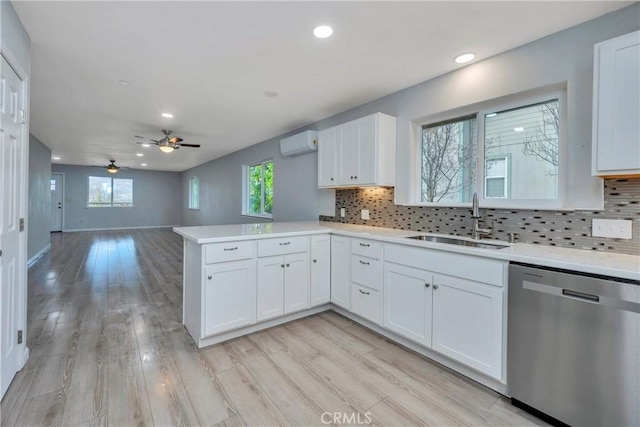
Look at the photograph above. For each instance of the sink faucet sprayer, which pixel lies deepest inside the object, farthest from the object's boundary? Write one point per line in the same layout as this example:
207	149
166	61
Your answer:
477	232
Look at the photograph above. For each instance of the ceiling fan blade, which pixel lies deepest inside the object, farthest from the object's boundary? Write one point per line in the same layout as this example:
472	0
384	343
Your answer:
148	143
190	145
145	138
175	140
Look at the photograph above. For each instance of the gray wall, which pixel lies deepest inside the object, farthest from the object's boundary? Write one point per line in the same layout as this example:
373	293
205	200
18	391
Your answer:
564	59
296	196
156	197
14	40
39	219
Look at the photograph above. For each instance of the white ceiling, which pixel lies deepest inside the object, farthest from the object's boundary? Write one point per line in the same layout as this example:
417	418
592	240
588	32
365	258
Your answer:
209	63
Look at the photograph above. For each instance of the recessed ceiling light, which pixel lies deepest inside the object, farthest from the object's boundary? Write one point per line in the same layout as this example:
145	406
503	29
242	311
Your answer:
139	154
464	58
143	164
56	158
123	82
167	115
491	114
323	31
145	145
271	94
518	129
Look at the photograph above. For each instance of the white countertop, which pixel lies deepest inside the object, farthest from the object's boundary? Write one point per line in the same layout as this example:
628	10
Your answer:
593	262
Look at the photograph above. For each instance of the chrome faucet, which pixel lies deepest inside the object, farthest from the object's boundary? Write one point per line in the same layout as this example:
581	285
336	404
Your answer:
477	232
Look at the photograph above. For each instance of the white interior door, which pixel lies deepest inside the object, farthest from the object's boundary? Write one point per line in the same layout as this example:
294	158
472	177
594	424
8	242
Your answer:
56	201
12	186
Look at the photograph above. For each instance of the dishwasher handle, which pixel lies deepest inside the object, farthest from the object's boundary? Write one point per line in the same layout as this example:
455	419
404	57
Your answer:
580	295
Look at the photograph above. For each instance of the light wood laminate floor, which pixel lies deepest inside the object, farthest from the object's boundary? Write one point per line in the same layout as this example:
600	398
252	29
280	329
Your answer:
108	348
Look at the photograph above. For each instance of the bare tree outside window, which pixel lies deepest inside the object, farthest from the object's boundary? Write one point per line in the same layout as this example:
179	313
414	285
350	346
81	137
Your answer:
449	161
543	142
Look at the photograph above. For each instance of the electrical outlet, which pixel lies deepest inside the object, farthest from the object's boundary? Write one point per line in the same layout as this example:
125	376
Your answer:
343	212
613	228
364	214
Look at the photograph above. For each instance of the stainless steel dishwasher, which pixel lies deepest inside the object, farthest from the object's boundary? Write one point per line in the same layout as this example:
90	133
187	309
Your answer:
574	346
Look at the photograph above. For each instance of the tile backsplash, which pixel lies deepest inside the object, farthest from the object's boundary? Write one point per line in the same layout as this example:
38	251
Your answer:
555	228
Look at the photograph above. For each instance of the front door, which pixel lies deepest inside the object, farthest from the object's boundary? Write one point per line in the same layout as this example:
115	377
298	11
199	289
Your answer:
56	201
12	188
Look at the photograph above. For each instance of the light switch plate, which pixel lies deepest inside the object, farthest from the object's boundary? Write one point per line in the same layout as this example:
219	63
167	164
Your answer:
613	228
364	214
342	212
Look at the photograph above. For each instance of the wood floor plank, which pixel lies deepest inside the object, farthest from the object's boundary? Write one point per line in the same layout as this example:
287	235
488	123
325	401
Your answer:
291	341
217	357
389	413
128	400
336	334
15	397
43	410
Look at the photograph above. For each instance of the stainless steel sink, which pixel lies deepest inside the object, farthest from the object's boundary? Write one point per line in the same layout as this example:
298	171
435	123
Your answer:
459	242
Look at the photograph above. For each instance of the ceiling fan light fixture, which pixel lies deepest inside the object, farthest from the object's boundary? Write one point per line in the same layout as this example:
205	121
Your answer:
166	148
112	169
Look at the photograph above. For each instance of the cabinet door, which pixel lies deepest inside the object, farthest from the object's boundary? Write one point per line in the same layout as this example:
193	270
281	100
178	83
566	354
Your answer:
320	270
366	158
616	118
296	282
467	323
229	296
327	157
270	289
407	302
347	135
340	254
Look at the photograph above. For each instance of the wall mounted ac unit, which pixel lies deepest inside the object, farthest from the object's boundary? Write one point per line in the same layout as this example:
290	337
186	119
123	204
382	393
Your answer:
301	143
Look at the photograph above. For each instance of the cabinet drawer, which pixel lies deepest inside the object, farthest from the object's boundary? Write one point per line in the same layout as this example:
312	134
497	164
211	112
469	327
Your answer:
287	245
366	303
366	248
228	251
366	272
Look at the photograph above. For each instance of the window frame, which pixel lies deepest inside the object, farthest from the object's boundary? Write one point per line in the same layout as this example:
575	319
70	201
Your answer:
246	192
481	110
506	176
88	205
194	204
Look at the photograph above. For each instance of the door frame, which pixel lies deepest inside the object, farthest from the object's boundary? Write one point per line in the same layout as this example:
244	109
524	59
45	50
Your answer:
24	77
62	227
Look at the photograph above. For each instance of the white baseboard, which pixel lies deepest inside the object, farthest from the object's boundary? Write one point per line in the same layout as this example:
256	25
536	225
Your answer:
73	230
25	356
37	256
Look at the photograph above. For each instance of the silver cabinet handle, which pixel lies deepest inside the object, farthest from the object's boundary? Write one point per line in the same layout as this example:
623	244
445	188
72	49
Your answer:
435	286
231	249
426	285
209	277
366	245
284	243
363	292
282	265
363	262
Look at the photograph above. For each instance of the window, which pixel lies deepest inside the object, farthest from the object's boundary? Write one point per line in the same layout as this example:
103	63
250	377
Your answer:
194	193
108	192
53	185
449	161
509	156
258	189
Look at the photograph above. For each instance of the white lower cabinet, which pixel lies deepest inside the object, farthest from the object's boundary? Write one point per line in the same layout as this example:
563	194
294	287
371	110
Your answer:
283	285
366	303
467	323
340	281
229	296
407	302
320	270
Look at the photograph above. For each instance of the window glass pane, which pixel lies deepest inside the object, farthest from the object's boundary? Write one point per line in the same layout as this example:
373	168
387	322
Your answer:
194	193
53	185
268	187
496	167
99	191
122	192
529	137
449	161
254	205
494	187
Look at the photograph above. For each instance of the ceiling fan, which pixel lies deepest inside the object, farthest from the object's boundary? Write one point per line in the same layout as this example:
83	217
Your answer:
166	144
112	167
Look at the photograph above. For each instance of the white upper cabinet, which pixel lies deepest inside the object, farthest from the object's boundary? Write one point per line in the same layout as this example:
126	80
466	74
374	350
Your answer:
616	106
358	153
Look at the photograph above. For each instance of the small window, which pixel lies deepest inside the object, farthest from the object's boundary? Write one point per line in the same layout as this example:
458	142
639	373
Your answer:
449	161
110	192
496	182
53	185
258	200
194	193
